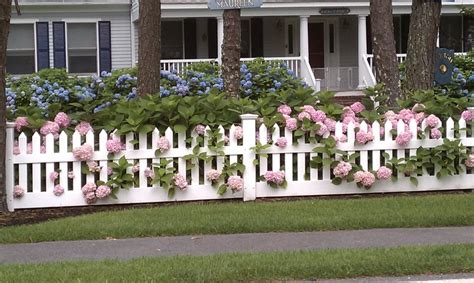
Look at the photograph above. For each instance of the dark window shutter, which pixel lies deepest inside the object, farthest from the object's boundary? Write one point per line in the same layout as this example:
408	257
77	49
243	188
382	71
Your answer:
257	37
59	45
105	48
190	39
42	45
212	38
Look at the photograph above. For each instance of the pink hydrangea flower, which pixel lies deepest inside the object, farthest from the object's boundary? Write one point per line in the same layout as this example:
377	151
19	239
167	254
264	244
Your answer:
84	152
318	116
238	132
93	167
83	128
50	128
53	176
389	115
200	130
58	190
357	107
404	138
62	119
114	145
135	168
235	183
18	192
323	130
163	144
342	138
363	137
281	142
16	149
342	169
470	161
275	177
180	181
284	109
435	133
384	173
90	198
304	115
71	175
330	124
432	121
21	122
468	115
213	176
149	173
103	192
406	115
110	171
348	113
419	117
291	124
366	178
88	188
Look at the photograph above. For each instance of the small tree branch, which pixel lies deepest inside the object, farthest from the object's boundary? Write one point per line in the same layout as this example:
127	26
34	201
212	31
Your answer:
17	7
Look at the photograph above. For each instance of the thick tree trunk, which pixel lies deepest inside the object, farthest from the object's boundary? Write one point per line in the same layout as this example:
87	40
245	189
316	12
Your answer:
5	14
383	45
231	52
149	47
424	25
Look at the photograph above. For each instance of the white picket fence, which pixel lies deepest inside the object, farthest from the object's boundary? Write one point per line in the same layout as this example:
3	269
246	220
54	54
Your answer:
31	171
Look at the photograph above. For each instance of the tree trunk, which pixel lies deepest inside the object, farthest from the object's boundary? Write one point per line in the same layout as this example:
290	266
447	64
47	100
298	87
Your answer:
149	47
383	45
424	25
231	52
5	14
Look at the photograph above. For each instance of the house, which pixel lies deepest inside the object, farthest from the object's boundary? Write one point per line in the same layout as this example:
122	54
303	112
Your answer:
325	42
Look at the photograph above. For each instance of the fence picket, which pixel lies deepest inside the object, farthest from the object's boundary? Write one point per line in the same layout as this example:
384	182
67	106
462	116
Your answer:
401	150
376	153
276	157
170	137
289	156
36	166
414	131
450	128
63	166
76	165
155	135
195	168
23	168
232	143
262	135
181	161
90	140
104	176
220	159
207	165
49	166
364	155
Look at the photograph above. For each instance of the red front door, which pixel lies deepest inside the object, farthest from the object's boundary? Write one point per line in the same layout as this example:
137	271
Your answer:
316	45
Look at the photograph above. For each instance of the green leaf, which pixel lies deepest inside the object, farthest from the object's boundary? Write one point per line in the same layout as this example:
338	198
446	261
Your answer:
414	181
222	190
179	128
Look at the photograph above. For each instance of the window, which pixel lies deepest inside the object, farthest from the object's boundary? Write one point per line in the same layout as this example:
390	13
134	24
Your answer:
82	48
451	33
245	39
21	49
172	40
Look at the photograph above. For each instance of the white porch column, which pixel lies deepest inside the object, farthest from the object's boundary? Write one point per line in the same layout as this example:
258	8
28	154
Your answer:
362	46
220	38
304	38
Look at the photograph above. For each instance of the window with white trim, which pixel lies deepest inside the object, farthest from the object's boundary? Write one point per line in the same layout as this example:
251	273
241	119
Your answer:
172	41
21	49
82	48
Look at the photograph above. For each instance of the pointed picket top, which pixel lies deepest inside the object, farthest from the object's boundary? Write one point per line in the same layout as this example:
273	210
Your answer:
232	139
288	136
128	138
193	135
76	139
400	127
376	131
462	126
143	140
338	132
424	125
414	129
182	139
350	133
206	136
22	143
49	143
155	135
90	138
363	126
103	137
276	133
262	134
387	131
450	128
36	143
169	136
63	142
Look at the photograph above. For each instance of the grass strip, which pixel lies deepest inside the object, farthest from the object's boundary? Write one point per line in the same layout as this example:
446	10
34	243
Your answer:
302	265
237	217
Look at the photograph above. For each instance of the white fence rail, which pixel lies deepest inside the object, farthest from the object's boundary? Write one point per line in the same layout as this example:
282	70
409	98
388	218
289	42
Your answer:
31	168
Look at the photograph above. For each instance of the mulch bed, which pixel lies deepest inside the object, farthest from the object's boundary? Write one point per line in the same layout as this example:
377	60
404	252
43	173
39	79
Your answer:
31	216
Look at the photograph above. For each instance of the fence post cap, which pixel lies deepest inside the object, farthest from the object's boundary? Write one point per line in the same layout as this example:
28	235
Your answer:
10	124
249	117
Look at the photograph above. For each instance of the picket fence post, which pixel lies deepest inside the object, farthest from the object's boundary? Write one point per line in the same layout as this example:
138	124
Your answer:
9	177
249	127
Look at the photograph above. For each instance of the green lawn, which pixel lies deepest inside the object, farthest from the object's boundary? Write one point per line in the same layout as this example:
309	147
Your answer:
238	217
245	267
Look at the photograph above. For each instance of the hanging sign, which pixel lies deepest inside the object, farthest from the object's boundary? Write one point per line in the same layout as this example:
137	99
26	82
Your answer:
334	11
234	4
444	65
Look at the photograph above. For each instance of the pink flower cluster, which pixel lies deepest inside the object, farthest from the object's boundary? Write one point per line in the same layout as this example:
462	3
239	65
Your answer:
62	119
58	190
433	121
149	173
275	177
384	173
238	132
21	122
53	176
103	192
284	109
468	115
291	124
93	167
200	130
342	169
84	152
163	144
470	161
83	128
88	190
366	178
357	107
18	192
281	142
235	183
404	138
213	176
435	133
363	137
180	181
135	168
50	128
114	145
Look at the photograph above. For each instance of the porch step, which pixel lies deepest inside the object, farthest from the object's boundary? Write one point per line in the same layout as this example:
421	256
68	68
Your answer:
348	97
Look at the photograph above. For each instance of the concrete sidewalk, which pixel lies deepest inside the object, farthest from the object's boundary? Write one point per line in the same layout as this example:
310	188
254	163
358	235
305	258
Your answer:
212	244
